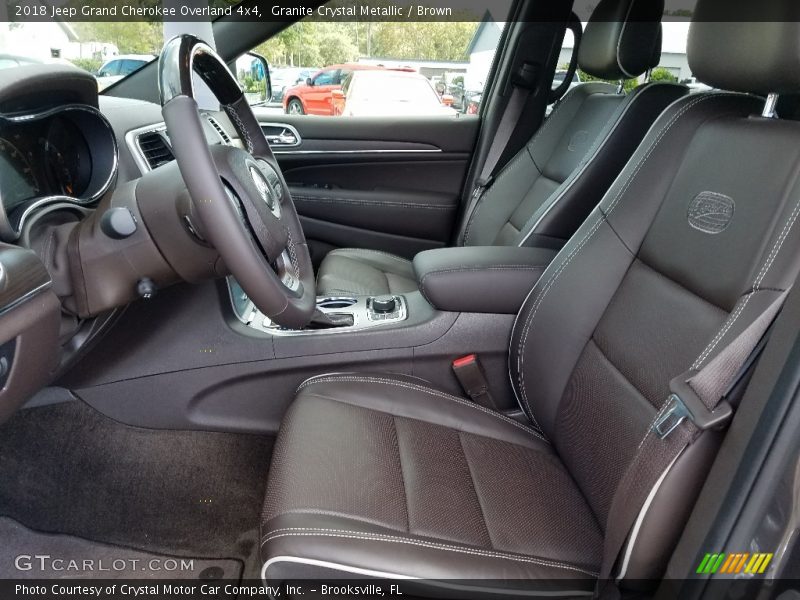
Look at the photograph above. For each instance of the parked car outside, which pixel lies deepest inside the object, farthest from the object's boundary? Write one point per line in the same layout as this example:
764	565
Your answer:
388	93
286	77
561	74
696	86
472	103
8	61
120	66
314	97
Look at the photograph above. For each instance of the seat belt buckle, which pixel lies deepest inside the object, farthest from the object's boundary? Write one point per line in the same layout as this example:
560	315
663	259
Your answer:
683	403
470	375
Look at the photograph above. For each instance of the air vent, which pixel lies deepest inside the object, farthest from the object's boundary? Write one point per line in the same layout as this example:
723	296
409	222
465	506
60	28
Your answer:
226	139
155	149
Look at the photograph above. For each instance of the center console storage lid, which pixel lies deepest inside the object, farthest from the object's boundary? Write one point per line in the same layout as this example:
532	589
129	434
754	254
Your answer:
480	279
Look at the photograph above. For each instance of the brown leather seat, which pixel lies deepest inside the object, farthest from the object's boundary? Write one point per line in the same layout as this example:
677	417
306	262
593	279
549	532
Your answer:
370	464
383	475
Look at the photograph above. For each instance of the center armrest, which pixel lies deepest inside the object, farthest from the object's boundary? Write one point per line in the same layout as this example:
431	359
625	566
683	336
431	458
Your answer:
482	279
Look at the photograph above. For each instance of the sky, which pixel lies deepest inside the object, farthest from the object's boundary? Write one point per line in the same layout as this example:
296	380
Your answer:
675	36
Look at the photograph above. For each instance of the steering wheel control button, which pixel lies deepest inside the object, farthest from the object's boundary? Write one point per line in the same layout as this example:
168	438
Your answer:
118	223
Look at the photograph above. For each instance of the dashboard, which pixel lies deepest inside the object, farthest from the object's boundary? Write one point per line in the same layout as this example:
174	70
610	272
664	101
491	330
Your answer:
68	153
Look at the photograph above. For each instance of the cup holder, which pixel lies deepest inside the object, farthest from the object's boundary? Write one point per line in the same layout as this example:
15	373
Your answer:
332	303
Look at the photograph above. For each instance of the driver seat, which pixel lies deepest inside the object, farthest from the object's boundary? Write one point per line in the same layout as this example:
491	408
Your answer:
386	476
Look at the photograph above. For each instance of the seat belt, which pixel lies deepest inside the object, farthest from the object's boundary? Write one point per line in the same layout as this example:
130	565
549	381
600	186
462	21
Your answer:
524	84
470	375
697	401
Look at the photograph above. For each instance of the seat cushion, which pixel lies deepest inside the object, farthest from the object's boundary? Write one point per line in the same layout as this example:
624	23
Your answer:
364	272
384	474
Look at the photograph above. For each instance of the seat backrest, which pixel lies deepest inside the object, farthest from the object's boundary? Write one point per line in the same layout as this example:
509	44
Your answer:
695	238
551	185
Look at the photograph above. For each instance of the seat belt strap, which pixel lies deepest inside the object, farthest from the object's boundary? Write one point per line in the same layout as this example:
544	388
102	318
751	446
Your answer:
697	402
524	83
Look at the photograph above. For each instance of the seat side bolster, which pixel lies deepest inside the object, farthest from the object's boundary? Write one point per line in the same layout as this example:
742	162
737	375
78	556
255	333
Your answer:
356	271
542	349
562	213
326	544
516	180
408	397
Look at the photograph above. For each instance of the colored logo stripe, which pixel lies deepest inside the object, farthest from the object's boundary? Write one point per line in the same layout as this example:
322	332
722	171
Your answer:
734	563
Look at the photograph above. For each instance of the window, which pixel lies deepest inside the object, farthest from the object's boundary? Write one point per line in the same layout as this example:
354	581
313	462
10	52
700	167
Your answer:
111	69
327	78
129	66
443	65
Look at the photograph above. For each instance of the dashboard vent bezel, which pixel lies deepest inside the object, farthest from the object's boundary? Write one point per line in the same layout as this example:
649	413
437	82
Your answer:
226	139
166	155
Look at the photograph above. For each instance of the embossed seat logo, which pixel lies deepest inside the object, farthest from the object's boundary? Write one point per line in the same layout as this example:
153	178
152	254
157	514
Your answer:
710	212
578	141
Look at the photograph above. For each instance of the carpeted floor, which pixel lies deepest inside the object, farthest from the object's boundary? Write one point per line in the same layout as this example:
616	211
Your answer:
27	554
68	469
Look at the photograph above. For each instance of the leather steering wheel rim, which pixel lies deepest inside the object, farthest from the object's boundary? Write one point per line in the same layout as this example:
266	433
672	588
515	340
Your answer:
238	194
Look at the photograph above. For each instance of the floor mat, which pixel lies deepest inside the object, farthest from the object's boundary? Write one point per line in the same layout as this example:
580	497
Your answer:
26	554
68	469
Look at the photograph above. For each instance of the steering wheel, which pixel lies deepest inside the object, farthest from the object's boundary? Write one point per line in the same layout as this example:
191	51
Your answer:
238	194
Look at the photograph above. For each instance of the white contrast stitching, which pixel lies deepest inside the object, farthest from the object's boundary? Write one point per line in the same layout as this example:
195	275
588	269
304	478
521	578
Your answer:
592	230
354	252
571	94
375	203
487	193
776	248
242	129
588	159
432	392
478	269
293	256
377	537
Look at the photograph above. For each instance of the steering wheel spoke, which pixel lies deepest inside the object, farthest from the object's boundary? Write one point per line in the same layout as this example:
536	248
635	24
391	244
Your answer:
240	195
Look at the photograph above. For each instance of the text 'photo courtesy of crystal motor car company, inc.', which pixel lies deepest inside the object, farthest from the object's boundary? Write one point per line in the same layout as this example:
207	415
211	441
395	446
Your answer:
458	299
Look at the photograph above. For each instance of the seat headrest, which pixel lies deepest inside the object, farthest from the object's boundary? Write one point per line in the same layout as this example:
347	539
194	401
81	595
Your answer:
746	46
622	39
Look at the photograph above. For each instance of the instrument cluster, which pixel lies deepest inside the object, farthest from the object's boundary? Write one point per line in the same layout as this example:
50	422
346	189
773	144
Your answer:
64	154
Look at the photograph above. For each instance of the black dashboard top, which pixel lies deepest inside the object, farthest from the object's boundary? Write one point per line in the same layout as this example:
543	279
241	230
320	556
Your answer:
55	145
33	88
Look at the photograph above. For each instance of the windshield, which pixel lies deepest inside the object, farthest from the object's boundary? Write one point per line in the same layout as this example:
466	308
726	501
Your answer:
451	56
108	50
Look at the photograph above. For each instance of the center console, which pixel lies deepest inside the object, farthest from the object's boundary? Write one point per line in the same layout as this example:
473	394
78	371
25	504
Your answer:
335	314
211	360
493	279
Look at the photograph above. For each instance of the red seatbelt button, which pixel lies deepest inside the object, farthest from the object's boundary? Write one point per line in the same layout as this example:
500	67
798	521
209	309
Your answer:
464	361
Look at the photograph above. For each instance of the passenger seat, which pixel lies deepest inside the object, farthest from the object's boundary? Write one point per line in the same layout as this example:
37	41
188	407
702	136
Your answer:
546	191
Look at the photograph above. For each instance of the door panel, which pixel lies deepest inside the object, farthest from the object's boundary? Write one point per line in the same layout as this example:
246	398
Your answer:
387	184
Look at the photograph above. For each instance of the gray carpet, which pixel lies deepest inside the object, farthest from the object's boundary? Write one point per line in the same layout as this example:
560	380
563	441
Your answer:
67	469
27	554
